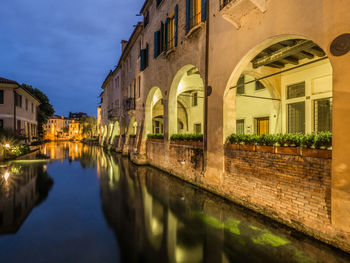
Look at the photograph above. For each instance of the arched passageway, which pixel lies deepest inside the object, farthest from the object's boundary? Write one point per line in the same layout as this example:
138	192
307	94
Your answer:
186	99
154	112
282	86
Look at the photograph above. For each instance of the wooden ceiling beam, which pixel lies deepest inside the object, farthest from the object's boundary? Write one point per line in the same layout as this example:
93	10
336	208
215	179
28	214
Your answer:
283	53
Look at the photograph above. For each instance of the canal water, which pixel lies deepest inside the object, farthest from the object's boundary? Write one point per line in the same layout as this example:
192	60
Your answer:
77	203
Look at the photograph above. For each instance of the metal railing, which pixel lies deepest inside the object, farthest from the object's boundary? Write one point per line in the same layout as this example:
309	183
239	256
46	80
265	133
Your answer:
223	3
129	104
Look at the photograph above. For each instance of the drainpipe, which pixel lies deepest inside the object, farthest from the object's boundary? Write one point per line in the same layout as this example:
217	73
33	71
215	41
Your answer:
206	80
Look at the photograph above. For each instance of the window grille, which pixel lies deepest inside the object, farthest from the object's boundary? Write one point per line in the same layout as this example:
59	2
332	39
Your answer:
296	117
239	126
323	115
296	90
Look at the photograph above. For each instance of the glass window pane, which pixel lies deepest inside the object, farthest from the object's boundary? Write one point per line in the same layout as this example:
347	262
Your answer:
296	90
323	115
240	126
262	125
296	117
240	85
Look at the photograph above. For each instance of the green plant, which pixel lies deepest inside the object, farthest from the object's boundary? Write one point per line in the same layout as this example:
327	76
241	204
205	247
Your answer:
187	137
267	139
320	140
132	135
323	140
308	140
155	136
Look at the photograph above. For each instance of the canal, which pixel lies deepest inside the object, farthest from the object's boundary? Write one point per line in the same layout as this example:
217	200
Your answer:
77	203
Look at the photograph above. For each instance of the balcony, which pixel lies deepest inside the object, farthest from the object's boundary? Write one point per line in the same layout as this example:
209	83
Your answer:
114	113
234	10
129	104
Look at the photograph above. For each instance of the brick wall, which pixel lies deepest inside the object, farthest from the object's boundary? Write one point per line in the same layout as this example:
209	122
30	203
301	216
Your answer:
184	161
290	187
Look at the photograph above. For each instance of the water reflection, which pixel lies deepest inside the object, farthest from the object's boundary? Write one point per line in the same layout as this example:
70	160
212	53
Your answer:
23	186
153	217
157	218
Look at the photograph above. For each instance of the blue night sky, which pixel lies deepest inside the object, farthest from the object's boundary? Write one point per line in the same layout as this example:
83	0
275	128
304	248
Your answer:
64	47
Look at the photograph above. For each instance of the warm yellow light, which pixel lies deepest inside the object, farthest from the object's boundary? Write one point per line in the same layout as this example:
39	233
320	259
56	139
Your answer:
7	145
6	176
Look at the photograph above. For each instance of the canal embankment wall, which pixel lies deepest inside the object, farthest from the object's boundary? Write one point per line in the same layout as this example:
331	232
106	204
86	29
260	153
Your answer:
287	185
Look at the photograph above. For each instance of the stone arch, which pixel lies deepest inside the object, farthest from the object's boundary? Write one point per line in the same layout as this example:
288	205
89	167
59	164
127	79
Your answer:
186	83
230	104
155	97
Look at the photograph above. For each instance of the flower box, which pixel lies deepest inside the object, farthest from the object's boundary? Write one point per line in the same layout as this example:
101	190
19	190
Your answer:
317	153
265	149
189	143
246	147
287	150
232	146
155	140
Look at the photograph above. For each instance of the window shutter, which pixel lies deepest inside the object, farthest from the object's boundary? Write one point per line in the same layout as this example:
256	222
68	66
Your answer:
166	37
146	56
204	10
142	64
161	37
187	16
176	22
155	51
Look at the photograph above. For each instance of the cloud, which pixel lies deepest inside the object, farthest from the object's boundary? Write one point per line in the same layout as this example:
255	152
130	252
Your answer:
64	48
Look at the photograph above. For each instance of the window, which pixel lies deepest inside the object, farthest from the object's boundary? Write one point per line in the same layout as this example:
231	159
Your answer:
194	98
171	31
296	117
144	58
296	90
259	85
1	124
194	14
262	125
18	100
32	107
18	124
197	128
26	104
139	86
157	127
159	2
157	44
240	85
323	115
1	97
239	126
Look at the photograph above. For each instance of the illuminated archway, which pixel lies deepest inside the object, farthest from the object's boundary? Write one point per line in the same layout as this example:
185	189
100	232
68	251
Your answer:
284	85
154	112
186	99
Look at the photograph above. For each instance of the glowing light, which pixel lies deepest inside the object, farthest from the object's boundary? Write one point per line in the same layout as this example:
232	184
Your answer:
6	176
7	145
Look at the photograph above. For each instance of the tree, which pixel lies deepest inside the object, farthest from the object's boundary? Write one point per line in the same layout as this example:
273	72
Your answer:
89	124
45	109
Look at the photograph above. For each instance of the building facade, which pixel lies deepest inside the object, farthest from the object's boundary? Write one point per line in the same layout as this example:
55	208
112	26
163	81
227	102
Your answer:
18	109
57	127
221	67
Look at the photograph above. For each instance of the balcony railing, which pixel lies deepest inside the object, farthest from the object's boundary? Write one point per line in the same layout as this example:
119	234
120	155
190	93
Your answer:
129	104
114	113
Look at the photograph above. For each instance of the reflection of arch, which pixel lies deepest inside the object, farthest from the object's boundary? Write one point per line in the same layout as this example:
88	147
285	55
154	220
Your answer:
277	91
115	131
154	99
154	215
186	86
